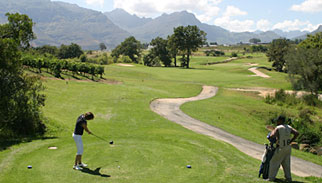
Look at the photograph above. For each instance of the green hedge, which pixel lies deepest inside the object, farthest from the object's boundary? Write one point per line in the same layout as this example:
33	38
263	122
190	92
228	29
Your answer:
56	66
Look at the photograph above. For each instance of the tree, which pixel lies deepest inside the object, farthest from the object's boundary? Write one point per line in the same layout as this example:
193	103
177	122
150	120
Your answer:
70	51
129	47
173	48
83	58
312	41
304	64
160	50
18	28
189	39
53	50
258	48
100	71
102	46
254	40
276	52
20	98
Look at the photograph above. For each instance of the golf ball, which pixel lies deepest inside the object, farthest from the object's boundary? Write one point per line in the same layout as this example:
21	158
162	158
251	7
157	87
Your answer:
188	166
29	167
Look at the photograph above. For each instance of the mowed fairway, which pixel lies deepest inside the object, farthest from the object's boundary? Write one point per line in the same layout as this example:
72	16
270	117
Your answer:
147	147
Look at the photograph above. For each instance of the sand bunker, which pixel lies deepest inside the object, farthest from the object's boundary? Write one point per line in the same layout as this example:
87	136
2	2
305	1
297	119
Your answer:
125	65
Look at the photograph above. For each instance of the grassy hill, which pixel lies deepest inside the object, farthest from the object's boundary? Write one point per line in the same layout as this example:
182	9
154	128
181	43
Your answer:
148	148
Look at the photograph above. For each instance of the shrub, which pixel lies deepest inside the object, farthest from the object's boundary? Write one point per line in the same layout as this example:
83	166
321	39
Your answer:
150	60
125	59
83	58
234	54
312	100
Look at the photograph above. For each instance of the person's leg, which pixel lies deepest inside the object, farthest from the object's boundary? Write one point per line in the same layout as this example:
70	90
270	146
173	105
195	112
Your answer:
76	160
286	164
80	159
79	145
274	165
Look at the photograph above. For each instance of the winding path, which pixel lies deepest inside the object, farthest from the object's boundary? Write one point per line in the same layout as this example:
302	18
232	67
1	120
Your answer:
258	73
170	109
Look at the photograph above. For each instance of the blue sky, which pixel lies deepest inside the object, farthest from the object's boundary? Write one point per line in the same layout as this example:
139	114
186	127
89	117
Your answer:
234	15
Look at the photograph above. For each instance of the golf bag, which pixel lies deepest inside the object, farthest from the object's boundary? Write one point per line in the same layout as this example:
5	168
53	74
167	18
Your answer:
267	156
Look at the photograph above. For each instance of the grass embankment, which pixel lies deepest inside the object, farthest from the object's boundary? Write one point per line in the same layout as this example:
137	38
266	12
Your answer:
148	148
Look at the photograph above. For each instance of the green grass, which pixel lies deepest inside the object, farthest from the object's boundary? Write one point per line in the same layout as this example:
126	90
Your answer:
148	148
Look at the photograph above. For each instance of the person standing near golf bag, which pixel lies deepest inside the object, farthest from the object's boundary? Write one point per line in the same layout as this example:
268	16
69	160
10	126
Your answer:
282	154
81	125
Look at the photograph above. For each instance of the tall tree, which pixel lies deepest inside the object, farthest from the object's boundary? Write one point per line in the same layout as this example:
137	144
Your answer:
304	64
129	47
18	28
102	46
276	53
255	40
189	39
173	48
20	98
160	50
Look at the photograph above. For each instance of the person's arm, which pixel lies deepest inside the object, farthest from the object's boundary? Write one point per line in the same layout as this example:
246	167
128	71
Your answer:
295	134
84	125
274	133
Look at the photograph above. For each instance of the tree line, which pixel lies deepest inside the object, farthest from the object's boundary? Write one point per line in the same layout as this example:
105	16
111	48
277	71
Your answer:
302	62
184	41
63	52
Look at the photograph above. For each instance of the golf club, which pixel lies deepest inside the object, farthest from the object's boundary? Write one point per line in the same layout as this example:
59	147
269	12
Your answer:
111	142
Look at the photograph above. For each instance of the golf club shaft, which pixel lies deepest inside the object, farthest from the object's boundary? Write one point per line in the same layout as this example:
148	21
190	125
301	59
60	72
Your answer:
100	137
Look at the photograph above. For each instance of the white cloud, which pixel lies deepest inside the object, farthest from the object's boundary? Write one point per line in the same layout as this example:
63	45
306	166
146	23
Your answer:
227	22
233	11
93	2
263	25
209	14
235	25
291	25
308	6
205	10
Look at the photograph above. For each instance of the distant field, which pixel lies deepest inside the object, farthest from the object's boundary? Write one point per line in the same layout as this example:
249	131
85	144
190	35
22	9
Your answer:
149	148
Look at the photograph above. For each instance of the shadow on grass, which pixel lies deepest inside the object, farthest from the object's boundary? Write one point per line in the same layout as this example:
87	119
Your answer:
5	144
281	180
94	172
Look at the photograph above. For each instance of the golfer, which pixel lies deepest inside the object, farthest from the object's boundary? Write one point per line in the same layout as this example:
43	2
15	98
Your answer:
282	155
81	125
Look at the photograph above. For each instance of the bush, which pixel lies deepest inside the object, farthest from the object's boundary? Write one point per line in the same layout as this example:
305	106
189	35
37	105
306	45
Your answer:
312	100
282	98
151	61
83	58
214	53
234	54
115	59
125	59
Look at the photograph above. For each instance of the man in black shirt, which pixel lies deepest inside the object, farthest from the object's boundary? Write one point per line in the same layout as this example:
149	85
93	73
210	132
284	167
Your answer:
81	125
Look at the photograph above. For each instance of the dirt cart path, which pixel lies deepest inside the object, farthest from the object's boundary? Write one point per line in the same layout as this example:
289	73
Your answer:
258	73
170	109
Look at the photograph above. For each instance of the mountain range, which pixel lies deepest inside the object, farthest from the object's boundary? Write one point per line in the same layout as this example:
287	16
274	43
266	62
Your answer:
63	23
